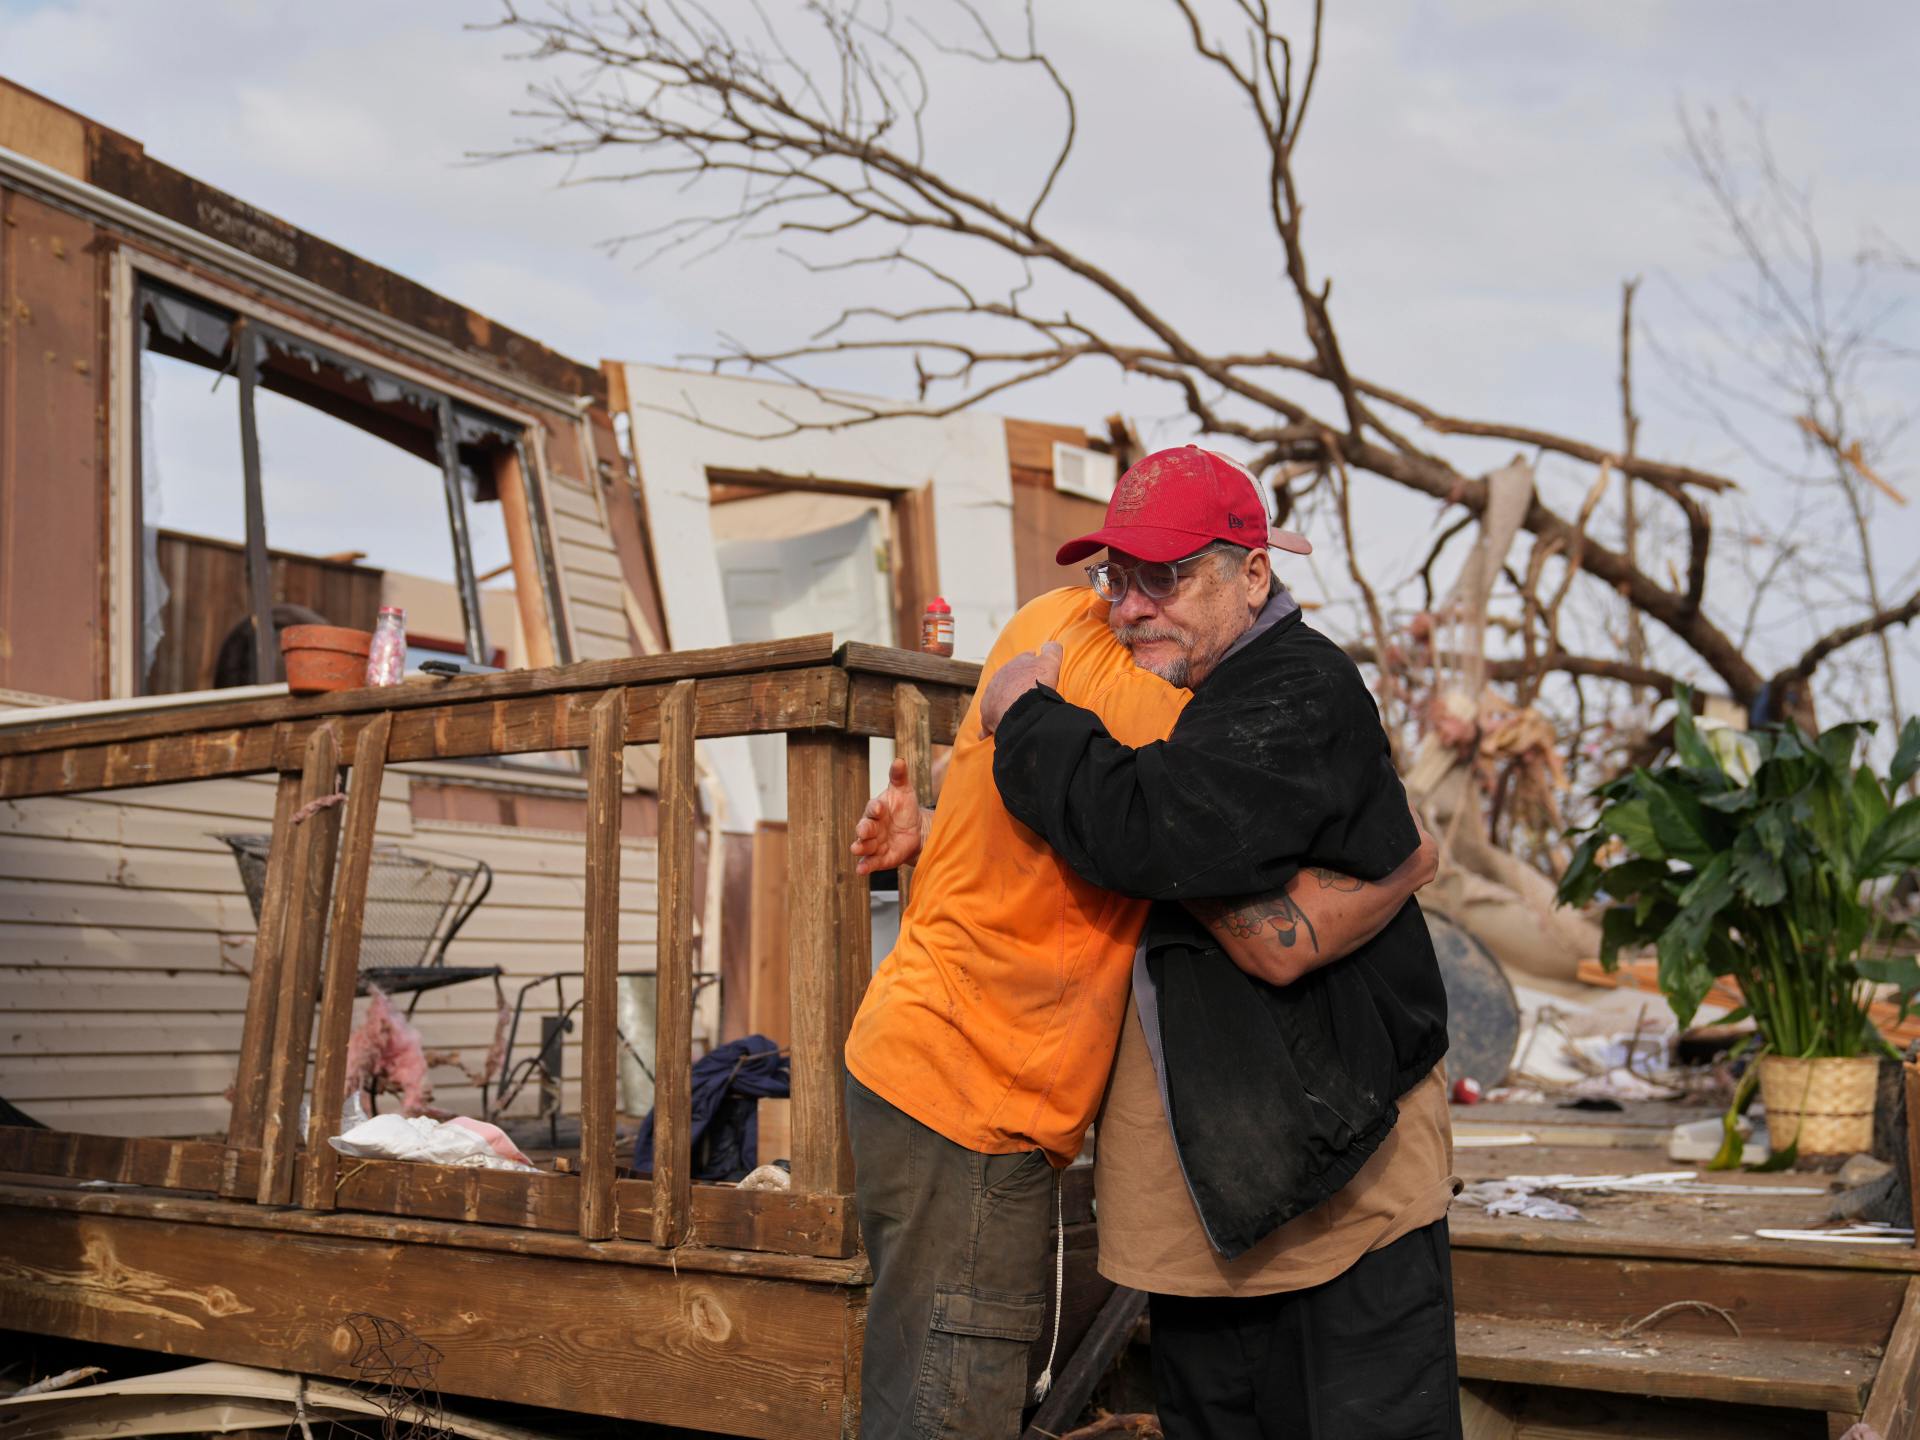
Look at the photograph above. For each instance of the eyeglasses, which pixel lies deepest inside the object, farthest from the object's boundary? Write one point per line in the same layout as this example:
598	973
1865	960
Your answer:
1157	579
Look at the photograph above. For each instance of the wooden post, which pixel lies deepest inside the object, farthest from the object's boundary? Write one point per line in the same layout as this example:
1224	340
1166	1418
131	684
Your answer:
343	960
673	950
263	985
853	922
606	768
913	744
829	953
310	877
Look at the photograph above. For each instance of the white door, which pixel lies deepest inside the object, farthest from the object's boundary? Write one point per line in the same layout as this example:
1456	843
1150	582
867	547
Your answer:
831	579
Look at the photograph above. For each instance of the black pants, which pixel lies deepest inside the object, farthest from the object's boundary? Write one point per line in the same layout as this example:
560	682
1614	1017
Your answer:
1367	1356
958	1245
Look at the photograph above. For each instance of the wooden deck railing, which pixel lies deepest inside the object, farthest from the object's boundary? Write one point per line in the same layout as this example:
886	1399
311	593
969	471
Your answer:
827	702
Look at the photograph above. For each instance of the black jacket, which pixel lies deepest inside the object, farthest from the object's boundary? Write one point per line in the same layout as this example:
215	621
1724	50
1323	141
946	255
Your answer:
1276	1094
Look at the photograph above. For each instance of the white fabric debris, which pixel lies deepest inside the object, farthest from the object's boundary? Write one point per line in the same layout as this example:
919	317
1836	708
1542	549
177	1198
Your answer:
416	1137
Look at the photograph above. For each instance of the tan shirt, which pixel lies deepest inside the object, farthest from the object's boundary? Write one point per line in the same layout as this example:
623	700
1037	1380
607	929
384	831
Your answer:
1150	1233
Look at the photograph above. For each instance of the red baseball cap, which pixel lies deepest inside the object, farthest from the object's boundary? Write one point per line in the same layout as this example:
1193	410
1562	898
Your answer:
1173	502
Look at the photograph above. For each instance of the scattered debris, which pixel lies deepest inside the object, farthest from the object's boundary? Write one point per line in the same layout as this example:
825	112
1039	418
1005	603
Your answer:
59	1382
1865	1233
461	1141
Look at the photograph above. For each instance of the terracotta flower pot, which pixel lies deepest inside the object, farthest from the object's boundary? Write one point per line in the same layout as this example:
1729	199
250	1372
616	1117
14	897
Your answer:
324	657
1825	1104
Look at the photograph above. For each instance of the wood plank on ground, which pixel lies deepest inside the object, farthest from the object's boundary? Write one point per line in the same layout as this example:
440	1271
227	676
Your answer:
708	1350
1802	1375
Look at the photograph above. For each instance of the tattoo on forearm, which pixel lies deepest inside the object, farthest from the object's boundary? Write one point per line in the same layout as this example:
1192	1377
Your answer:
1334	880
1248	919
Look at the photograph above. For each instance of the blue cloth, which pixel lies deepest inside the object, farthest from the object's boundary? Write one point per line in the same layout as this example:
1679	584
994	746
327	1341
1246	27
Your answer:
726	1129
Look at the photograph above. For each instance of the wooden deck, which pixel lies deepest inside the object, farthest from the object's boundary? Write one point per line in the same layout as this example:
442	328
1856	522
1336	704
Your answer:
649	1299
1820	1334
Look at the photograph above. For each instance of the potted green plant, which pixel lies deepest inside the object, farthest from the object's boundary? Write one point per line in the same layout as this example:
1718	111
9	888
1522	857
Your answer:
1753	855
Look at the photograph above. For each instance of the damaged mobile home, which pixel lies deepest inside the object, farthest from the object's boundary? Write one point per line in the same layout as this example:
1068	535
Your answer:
612	839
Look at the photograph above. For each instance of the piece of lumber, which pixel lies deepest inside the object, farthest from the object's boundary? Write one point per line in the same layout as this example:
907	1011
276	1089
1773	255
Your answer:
1910	1080
673	1012
704	1350
125	1160
606	769
1758	1370
263	983
772	1264
1073	1383
1893	1408
821	1160
912	746
768	1001
761	703
870	708
160	721
853	903
1839	1306
939	671
343	961
310	834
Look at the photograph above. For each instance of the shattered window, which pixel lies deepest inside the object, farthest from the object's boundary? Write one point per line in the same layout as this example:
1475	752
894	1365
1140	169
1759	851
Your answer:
362	489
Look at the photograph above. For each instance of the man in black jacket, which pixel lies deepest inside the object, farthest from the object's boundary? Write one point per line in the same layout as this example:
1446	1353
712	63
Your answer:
1277	1095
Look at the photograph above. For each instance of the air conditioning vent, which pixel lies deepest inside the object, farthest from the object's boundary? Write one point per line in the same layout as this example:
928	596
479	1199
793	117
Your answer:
1080	471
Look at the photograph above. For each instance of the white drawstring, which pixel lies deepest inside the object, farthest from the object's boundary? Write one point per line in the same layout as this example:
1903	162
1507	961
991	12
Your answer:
1045	1382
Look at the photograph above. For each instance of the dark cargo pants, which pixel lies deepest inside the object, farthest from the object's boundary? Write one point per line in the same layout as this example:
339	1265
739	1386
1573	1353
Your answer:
958	1245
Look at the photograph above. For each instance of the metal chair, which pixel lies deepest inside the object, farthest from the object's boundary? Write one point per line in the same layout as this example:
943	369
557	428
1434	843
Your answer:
415	907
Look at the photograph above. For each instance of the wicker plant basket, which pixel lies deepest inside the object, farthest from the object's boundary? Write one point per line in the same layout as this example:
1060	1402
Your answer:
1826	1104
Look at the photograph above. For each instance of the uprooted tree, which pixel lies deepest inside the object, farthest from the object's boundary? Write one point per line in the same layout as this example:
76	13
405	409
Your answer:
809	131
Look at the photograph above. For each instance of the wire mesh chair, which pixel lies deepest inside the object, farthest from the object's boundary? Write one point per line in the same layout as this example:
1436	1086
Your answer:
416	904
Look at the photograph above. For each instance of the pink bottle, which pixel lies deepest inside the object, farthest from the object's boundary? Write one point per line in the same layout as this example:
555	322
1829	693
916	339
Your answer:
387	658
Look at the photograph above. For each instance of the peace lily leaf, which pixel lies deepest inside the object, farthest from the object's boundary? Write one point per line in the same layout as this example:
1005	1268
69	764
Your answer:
1577	886
1899	970
1632	821
1756	874
1687	742
1625	881
1618	930
1680	825
1894	845
1906	758
1869	806
1683	979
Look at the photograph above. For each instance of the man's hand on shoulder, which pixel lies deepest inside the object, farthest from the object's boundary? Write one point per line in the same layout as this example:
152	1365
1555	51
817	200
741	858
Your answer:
892	829
1013	679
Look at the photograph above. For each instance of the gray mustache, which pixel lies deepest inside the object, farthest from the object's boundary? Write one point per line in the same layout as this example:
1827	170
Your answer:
1131	635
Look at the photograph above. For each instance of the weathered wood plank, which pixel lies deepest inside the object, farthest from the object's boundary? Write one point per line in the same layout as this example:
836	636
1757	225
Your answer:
407	1230
1893	1408
343	960
1837	1306
125	1160
912	747
709	1351
813	961
310	877
852	920
673	1012
1796	1374
761	703
606	767
263	985
915	665
69	733
870	708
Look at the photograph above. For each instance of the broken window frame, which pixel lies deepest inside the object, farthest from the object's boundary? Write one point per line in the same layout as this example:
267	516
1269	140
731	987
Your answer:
460	416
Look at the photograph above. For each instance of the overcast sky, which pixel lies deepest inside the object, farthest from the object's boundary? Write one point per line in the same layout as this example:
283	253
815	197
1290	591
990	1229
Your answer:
1480	175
